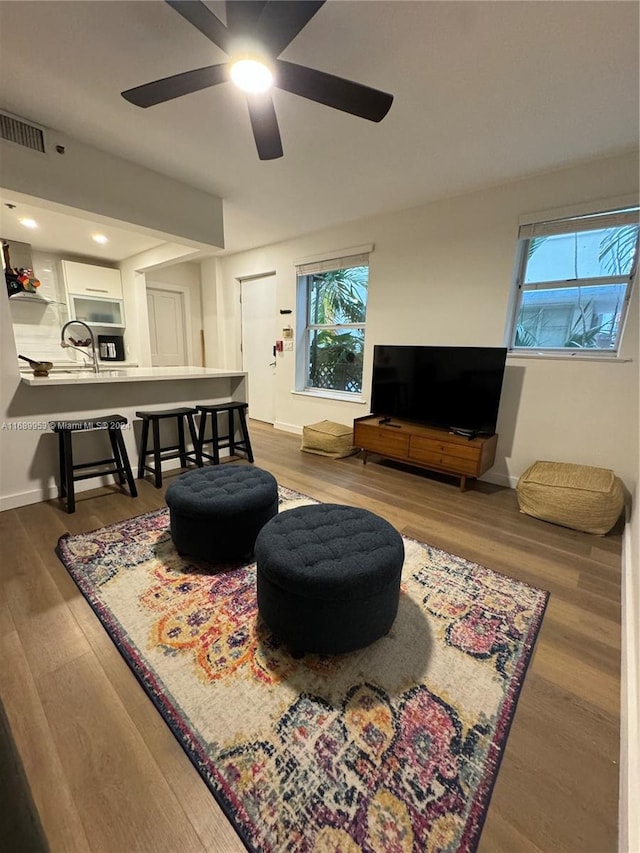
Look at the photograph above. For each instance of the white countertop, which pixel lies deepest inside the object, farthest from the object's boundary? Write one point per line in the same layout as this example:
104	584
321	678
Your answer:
110	375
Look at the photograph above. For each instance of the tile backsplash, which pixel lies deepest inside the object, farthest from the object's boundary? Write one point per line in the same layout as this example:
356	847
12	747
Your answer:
37	325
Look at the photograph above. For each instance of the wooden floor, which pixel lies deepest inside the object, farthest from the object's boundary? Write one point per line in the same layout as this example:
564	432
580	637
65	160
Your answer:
108	776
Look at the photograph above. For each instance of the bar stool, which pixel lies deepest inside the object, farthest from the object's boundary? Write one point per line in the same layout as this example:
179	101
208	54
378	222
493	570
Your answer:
119	461
173	451
219	442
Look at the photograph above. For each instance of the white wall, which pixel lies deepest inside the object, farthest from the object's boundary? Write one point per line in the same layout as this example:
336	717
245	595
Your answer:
134	287
221	316
629	833
441	274
629	836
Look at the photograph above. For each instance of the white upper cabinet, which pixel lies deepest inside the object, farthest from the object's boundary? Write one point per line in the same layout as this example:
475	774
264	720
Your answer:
94	294
90	280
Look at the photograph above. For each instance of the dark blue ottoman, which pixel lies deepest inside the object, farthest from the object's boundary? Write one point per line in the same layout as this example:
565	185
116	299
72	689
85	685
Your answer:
217	512
328	577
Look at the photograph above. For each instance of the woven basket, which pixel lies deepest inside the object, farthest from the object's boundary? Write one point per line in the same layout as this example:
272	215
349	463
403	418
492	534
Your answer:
328	438
576	496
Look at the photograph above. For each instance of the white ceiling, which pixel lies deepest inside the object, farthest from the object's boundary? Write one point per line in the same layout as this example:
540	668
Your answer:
68	234
485	92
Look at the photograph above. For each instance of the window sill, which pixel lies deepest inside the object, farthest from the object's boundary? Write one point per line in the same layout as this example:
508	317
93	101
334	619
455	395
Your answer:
340	396
570	356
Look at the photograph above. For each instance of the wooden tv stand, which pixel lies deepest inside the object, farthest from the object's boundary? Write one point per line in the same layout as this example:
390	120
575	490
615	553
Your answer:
425	446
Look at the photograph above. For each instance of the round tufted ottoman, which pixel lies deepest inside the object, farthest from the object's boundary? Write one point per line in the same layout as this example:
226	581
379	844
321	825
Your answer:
217	512
328	577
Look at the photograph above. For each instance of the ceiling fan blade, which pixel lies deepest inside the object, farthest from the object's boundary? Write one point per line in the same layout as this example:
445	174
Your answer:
265	126
332	91
282	20
242	15
168	88
203	20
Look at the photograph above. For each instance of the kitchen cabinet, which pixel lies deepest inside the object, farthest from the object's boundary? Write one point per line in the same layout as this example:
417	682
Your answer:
91	280
94	294
96	312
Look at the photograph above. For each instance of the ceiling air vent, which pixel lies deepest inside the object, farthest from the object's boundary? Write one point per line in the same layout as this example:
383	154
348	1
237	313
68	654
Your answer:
28	135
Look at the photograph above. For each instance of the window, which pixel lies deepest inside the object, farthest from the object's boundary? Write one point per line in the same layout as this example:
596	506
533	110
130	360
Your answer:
334	296
573	283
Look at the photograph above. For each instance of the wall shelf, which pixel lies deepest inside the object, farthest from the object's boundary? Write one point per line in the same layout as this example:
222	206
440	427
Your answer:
34	298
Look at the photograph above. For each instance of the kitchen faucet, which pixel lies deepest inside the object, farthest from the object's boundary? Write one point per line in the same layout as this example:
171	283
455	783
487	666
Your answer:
94	353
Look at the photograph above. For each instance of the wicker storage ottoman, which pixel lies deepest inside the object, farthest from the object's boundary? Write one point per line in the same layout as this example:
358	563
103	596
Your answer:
328	438
576	496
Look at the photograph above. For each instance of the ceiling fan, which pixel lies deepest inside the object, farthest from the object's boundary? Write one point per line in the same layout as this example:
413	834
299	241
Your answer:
256	33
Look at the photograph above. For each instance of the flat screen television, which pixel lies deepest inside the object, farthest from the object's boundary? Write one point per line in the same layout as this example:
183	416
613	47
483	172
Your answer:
457	388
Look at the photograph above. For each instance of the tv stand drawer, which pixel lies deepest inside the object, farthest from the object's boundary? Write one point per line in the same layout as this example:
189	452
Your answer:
387	441
448	461
424	448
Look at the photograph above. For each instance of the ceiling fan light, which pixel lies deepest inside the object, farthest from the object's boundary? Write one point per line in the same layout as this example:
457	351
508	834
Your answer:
251	76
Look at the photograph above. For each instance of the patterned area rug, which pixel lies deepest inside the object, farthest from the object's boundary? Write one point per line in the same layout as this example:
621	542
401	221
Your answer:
392	748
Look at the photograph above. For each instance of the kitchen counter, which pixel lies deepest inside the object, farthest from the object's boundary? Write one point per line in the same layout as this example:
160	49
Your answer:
30	451
109	375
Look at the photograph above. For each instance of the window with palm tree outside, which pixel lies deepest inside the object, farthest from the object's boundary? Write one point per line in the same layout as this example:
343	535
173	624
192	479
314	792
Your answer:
336	307
574	284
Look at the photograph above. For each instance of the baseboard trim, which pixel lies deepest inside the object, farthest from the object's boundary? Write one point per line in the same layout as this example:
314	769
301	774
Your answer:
294	428
33	496
500	479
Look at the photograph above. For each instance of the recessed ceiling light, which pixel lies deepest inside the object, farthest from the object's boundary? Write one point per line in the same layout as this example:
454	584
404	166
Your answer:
28	223
251	76
100	238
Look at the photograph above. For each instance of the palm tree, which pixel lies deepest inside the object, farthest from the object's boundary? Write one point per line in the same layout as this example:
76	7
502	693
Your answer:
338	297
617	249
616	257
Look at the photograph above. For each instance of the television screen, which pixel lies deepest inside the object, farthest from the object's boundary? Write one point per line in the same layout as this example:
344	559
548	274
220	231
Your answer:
450	387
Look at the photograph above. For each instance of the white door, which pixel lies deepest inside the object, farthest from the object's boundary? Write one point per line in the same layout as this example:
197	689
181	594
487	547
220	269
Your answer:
258	340
166	328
